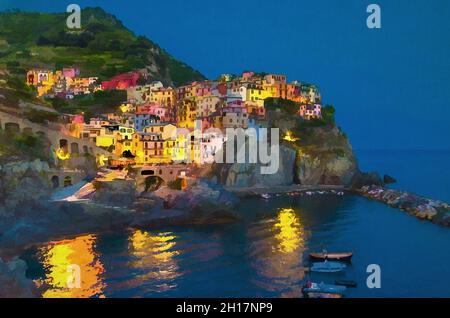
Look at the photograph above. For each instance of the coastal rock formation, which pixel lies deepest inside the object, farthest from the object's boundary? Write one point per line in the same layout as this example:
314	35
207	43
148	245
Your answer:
423	208
22	183
362	179
13	280
387	179
115	193
325	169
249	174
325	157
203	202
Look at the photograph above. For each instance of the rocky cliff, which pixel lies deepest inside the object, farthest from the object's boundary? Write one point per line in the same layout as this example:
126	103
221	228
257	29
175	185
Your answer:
23	184
311	153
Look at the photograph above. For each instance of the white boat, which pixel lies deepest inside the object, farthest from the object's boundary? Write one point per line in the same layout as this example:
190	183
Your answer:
328	267
311	287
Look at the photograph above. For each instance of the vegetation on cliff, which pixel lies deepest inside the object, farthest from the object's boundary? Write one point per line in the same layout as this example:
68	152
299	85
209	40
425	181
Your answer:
103	47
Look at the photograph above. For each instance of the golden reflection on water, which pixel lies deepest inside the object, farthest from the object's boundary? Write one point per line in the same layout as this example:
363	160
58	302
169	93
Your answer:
277	253
58	257
154	255
290	231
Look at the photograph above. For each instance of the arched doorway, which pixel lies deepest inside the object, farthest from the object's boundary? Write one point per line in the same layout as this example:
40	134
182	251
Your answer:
55	182
153	183
67	181
12	128
74	148
63	144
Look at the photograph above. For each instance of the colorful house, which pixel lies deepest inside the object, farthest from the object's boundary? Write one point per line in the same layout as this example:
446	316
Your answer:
166	130
309	111
149	148
122	81
163	96
143	119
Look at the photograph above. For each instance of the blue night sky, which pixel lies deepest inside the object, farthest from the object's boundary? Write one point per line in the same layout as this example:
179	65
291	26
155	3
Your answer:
391	87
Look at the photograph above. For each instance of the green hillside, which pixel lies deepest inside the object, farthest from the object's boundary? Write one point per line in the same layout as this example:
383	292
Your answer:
103	47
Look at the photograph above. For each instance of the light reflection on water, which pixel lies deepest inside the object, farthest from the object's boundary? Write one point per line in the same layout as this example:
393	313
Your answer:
155	255
261	256
56	258
277	253
264	255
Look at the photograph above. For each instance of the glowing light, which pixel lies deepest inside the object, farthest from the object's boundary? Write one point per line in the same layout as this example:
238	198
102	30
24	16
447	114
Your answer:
290	235
102	160
123	108
62	154
290	137
58	256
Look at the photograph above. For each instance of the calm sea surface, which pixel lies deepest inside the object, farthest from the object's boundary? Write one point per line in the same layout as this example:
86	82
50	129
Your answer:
265	255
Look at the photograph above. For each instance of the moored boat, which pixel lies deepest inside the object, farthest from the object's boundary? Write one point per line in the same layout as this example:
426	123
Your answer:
327	267
342	257
322	288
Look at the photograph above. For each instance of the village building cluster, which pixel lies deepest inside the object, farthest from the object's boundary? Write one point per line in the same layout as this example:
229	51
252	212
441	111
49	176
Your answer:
145	129
65	83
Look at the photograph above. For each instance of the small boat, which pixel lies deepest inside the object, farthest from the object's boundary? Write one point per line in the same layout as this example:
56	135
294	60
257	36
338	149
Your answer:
265	196
346	283
328	267
322	288
342	257
323	295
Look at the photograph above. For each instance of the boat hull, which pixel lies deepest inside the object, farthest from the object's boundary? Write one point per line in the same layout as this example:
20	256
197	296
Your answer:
341	257
328	267
324	289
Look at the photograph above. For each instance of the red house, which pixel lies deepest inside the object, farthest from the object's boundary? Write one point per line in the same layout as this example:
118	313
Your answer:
122	81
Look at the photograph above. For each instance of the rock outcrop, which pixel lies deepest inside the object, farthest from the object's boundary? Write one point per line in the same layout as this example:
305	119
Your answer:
115	193
423	208
22	183
249	174
203	202
325	157
13	281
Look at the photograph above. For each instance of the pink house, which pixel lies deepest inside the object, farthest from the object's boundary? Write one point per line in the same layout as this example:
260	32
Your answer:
153	109
310	111
70	72
247	75
78	119
204	91
237	103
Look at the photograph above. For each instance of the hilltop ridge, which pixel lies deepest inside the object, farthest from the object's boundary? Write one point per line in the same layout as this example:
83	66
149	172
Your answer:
103	47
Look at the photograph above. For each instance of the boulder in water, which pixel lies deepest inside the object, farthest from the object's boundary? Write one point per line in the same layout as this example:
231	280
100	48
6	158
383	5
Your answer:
387	179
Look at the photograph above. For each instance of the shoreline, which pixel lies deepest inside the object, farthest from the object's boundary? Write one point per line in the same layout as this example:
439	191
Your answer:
247	192
98	218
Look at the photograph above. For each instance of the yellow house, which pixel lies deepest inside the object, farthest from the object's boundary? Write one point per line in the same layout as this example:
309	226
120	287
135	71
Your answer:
187	114
166	130
163	96
149	149
175	148
123	145
107	138
126	132
43	80
270	91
